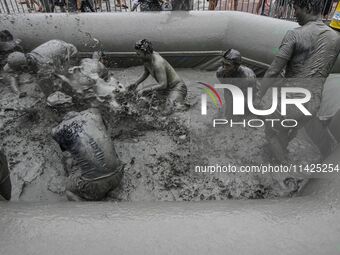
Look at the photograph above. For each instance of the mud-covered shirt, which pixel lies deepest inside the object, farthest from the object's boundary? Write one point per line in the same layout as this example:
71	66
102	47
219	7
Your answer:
311	51
244	77
52	54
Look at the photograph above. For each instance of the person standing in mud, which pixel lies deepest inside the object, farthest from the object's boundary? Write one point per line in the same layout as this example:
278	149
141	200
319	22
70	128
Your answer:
307	53
167	78
5	181
50	56
233	72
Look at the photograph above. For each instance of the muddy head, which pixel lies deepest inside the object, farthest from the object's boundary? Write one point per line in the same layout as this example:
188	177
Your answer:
144	49
75	82
8	44
84	77
231	61
109	87
93	68
306	11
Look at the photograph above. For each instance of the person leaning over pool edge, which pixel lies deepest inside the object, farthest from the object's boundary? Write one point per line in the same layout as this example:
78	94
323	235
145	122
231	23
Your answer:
307	53
49	56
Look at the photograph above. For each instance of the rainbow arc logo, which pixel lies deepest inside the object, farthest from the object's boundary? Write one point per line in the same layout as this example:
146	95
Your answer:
213	94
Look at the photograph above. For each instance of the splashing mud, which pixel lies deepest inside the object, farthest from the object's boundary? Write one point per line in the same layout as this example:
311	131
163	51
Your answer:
160	152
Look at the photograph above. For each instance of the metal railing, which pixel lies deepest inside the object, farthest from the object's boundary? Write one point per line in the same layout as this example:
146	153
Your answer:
273	8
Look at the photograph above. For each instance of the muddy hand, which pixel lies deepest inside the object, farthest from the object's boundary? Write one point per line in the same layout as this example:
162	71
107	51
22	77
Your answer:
143	92
132	86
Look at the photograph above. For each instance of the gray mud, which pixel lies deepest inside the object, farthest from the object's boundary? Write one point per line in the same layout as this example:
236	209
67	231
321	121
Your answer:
160	152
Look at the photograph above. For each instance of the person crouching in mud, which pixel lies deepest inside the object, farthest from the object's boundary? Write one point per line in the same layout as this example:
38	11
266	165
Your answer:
233	72
49	56
168	80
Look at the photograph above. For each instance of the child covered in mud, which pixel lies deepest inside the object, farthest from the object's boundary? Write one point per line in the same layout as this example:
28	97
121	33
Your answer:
168	80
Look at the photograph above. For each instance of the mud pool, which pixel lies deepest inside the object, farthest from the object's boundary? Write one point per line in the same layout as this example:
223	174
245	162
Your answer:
160	152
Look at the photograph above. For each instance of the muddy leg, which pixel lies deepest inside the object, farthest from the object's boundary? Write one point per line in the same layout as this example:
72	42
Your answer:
176	98
15	88
277	139
73	197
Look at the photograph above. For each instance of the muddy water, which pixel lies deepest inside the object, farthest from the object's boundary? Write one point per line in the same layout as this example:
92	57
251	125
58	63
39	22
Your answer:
296	226
160	153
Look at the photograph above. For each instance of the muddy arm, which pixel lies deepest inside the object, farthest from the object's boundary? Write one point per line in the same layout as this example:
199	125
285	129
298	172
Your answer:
140	79
14	85
274	70
160	76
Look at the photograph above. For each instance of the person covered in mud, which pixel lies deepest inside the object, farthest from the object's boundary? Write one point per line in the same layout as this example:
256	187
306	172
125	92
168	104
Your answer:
93	67
232	71
5	180
48	57
307	54
85	74
8	45
232	68
93	165
92	83
168	80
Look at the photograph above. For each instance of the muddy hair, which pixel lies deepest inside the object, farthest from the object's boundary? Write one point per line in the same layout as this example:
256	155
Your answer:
312	6
144	45
6	36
